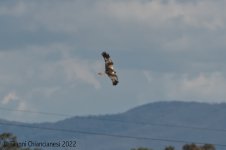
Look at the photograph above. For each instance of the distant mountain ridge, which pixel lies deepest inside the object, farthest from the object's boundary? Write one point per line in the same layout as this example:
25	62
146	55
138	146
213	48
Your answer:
179	121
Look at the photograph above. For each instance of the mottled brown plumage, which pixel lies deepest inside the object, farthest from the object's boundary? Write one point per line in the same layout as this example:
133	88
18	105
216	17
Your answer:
109	70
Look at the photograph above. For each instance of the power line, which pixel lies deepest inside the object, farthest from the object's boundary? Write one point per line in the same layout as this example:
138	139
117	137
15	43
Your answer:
119	121
108	135
36	112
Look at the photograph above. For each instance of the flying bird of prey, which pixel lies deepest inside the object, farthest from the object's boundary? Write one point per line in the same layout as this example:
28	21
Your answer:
109	70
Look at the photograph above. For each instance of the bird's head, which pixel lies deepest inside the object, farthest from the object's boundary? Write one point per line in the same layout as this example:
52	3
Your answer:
100	73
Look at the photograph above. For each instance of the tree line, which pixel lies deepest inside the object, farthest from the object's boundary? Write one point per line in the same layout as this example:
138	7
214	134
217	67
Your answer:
8	141
185	147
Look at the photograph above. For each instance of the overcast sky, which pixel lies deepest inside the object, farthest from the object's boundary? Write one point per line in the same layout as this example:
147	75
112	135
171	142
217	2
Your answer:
163	50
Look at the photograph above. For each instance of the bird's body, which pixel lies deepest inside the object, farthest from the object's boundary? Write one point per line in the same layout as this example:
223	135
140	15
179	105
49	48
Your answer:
109	69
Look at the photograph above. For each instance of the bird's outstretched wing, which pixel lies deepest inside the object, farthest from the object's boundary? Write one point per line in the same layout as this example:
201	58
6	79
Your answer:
109	70
114	79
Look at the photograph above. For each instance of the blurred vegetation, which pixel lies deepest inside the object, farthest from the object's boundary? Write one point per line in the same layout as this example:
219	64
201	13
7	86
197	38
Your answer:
185	147
8	141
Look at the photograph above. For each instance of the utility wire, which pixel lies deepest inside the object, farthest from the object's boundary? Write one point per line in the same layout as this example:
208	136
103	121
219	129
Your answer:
36	112
108	135
119	121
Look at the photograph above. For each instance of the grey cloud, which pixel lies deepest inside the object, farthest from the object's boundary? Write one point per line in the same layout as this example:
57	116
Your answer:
115	24
168	33
177	42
